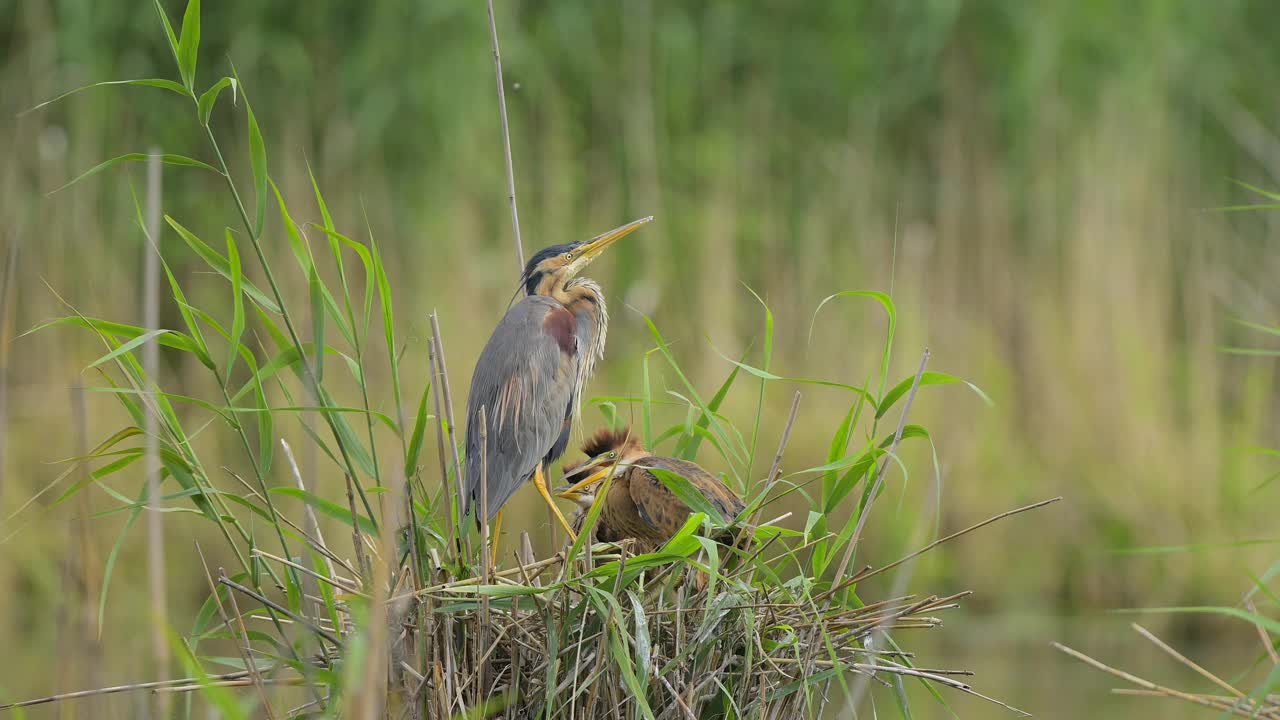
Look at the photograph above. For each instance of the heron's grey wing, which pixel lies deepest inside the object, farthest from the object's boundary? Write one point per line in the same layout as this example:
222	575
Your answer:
524	381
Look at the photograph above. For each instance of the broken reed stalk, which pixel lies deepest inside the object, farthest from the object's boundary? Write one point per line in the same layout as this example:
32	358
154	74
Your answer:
1236	702
156	583
1247	708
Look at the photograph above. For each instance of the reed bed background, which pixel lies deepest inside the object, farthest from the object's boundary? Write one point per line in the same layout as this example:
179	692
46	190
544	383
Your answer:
1030	186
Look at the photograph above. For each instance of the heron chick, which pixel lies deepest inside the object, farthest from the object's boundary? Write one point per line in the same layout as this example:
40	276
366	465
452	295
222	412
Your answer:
637	503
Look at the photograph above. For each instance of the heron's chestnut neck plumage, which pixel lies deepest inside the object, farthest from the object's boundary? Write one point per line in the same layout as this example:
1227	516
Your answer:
550	273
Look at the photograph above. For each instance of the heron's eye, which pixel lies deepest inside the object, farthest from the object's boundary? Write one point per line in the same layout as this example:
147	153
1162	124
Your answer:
613	454
568	256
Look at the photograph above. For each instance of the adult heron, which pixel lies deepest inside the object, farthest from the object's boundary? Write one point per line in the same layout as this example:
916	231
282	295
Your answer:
531	374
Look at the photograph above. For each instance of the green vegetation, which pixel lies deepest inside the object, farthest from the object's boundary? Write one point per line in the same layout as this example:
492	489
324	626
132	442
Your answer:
1024	182
419	625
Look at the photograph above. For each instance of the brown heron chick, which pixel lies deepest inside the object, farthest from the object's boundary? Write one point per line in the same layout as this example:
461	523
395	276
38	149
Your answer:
531	373
638	505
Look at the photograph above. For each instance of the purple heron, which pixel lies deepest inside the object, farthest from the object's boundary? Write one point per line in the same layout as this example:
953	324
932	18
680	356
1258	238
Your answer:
530	375
638	505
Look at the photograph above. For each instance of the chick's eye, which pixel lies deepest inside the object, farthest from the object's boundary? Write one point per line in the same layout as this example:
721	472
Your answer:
612	454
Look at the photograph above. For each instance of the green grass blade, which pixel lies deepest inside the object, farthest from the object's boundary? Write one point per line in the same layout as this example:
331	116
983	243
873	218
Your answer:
258	162
887	303
419	432
687	493
337	512
169	85
687	449
168	159
317	325
189	44
109	569
927	378
210	97
220	264
735	452
168	31
237	321
126	347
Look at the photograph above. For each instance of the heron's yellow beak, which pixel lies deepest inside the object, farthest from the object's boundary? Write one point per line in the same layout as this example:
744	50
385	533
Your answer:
571	492
591	249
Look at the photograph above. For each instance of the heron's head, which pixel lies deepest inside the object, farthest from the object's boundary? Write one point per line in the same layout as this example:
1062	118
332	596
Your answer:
551	267
606	450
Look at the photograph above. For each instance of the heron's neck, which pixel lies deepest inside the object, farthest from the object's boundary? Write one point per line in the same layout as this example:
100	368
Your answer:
584	298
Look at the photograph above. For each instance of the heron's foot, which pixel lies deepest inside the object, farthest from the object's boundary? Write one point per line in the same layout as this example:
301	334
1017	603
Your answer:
540	482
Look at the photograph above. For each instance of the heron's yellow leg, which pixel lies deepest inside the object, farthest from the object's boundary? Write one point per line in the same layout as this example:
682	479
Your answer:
540	482
495	536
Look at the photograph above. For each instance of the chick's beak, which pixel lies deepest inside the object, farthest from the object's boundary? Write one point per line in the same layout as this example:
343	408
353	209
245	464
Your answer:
571	492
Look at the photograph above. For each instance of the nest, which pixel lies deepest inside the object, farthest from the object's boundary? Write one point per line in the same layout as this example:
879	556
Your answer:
669	636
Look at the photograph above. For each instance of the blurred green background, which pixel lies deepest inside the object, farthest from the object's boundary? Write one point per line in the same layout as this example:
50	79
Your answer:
1029	181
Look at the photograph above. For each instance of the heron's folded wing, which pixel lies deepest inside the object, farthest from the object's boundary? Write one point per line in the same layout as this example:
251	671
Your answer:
524	381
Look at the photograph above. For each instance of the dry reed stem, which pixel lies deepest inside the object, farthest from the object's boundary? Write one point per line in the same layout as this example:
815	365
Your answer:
312	524
506	139
191	682
1262	634
487	544
443	367
449	516
1183	659
240	634
6	330
282	610
1251	709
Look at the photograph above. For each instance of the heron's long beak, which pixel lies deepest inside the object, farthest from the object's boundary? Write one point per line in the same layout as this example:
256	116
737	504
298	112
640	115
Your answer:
593	247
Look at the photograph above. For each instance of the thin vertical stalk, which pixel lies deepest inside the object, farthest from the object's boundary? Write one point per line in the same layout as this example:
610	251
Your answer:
506	139
90	653
450	515
443	367
151	369
482	635
6	300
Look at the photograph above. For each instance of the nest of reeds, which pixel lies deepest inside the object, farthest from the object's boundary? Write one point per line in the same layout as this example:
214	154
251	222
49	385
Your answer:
694	630
669	635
